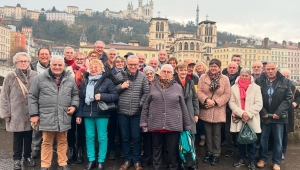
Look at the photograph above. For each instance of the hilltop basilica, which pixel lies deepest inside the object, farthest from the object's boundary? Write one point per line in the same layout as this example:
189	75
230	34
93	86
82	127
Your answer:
143	12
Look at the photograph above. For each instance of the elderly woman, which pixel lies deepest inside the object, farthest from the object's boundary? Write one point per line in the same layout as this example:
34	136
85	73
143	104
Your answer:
213	93
165	115
15	88
245	111
150	74
173	61
95	87
77	69
200	68
191	99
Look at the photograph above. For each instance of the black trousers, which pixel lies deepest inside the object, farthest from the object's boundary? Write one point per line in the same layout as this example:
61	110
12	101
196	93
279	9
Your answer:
80	133
147	147
112	128
168	142
22	140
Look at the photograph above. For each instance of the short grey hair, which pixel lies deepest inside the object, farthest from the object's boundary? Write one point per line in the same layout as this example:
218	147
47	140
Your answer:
245	70
66	48
168	65
285	70
57	57
99	42
17	55
272	62
132	57
111	49
120	57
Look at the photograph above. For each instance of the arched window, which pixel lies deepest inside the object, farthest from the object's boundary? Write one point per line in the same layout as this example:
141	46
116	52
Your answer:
161	26
186	46
162	35
180	46
156	36
197	47
157	26
192	46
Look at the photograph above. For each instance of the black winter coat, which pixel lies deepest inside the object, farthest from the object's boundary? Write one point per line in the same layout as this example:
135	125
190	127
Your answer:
289	127
108	93
281	98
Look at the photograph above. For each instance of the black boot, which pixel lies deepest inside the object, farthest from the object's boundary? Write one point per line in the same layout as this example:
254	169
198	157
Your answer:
79	155
90	165
100	166
72	155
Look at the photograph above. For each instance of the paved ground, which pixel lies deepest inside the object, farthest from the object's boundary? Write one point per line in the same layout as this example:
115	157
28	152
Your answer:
291	162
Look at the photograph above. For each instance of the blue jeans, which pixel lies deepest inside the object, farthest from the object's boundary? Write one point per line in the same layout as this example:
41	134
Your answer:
91	124
277	131
130	129
251	150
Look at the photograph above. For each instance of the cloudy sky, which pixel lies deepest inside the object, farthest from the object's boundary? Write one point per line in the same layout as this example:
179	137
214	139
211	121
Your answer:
276	19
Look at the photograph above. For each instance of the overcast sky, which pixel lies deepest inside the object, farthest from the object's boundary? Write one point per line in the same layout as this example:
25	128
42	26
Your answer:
276	19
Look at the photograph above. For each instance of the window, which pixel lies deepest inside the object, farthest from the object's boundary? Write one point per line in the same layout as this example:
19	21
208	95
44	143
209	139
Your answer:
157	26
156	36
205	39
186	46
192	46
159	35
197	47
162	35
180	46
161	26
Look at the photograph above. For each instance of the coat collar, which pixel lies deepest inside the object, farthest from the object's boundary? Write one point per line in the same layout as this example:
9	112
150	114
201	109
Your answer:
22	76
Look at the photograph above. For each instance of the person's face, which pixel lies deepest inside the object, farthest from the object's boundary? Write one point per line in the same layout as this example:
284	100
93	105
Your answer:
95	69
93	56
214	68
232	69
200	68
264	67
162	56
22	62
79	61
57	67
237	60
286	74
132	65
182	72
69	54
256	68
245	76
190	69
119	63
149	76
99	47
166	73
141	60
173	64
111	55
154	64
271	70
44	57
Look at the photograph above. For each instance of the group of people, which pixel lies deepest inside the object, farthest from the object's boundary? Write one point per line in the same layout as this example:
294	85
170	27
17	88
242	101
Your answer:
52	103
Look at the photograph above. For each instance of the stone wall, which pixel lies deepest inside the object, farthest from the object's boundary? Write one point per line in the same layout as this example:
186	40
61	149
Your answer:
294	138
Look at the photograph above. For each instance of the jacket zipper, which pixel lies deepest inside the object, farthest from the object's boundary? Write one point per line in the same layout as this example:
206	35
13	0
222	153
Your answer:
91	109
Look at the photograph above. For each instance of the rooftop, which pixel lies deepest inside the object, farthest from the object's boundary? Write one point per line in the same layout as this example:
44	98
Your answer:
207	22
123	46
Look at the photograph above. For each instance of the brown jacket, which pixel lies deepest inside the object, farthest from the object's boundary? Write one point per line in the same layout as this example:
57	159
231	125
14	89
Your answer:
216	114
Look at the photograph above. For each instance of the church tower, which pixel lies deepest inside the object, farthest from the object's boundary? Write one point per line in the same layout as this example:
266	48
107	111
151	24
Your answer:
197	15
83	39
140	3
158	33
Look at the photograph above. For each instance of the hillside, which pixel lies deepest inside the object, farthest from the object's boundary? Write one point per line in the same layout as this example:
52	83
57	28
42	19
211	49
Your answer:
102	28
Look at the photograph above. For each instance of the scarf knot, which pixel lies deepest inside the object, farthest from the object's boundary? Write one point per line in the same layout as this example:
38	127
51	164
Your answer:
243	86
89	94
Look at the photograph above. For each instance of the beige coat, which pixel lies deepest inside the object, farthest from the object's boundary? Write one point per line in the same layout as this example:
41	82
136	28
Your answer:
70	69
253	105
215	114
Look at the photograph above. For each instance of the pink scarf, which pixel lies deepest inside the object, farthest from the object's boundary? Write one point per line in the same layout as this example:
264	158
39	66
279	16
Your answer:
243	85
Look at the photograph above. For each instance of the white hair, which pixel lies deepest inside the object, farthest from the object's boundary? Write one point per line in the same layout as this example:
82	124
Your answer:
57	58
272	62
132	57
66	48
168	66
17	55
99	42
285	70
245	70
111	49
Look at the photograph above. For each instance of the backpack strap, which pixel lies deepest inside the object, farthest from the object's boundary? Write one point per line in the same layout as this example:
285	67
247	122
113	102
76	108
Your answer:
23	87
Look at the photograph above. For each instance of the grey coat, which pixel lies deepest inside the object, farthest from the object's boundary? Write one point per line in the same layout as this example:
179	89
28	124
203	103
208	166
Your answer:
12	102
165	109
131	100
51	104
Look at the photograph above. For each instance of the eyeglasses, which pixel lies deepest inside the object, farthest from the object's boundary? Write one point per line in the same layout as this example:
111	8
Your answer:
79	59
94	67
132	65
149	74
166	72
23	61
119	62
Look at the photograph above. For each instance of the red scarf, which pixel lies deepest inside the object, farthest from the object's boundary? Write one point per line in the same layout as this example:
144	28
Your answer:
69	62
79	73
243	85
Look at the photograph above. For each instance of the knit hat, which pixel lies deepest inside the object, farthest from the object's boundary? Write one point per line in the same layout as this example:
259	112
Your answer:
148	68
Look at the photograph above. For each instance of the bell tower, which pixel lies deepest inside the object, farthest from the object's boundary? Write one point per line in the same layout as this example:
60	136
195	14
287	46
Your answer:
158	33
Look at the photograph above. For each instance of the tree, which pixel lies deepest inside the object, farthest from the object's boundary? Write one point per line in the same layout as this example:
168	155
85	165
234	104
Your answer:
26	22
53	9
190	24
42	17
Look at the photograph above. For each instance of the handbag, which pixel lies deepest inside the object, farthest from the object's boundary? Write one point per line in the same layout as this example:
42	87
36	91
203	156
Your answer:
246	135
103	107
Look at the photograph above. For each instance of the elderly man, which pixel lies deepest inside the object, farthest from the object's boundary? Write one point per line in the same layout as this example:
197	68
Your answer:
153	62
277	97
264	63
42	64
108	65
232	74
69	56
162	57
190	75
52	99
133	91
289	127
99	47
237	59
142	60
256	69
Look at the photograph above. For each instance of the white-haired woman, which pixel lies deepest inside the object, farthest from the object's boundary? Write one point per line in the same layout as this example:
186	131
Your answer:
14	108
245	103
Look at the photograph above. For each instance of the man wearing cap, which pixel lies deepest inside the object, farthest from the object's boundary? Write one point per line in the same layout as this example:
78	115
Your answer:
237	59
257	69
162	57
142	60
191	64
264	63
128	54
99	47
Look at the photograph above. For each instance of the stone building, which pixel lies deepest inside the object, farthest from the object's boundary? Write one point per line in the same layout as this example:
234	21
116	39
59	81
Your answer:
17	12
4	44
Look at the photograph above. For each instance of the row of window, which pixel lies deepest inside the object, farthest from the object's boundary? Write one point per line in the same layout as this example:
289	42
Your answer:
208	39
4	32
186	46
4	48
293	66
159	26
160	35
241	50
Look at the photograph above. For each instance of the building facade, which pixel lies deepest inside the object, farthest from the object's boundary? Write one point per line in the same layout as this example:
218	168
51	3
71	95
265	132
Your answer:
17	12
65	17
17	44
143	12
73	10
4	44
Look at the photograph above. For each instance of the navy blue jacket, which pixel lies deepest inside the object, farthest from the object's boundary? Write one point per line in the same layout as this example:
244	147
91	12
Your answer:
108	93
